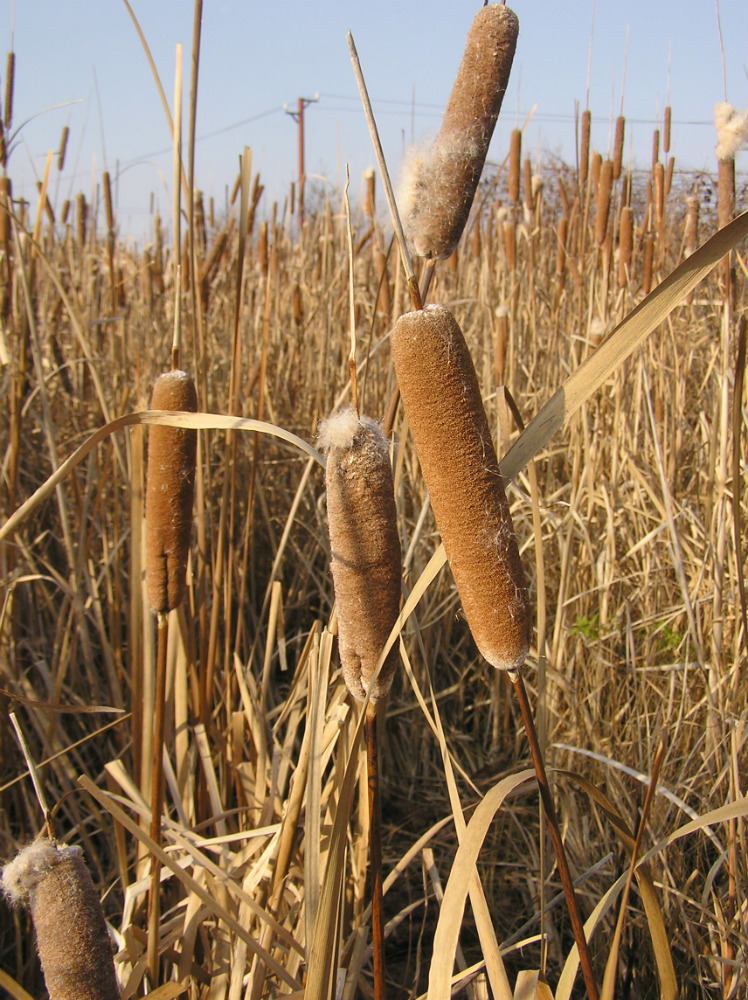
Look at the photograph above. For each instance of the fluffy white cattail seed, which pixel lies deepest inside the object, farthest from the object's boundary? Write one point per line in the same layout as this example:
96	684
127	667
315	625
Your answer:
170	486
366	565
439	182
442	401
71	935
732	130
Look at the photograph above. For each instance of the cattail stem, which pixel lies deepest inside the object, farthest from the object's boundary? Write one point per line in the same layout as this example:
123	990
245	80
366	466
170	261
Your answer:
157	796
375	851
567	884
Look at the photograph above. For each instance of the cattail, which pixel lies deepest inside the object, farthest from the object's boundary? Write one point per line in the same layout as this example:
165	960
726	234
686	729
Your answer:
584	145
602	200
71	934
596	163
63	147
515	156
442	401
627	188
365	546
439	183
370	192
108	211
659	195
691	234
10	76
297	306
618	147
65	211
669	175
666	129
170	484
262	248
6	208
81	218
562	235
384	300
510	243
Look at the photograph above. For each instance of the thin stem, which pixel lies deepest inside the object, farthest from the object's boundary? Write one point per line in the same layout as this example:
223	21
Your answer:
375	851
389	193
157	797
567	884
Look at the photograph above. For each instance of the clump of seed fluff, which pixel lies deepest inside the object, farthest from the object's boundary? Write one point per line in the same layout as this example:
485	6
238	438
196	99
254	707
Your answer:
365	547
438	182
71	934
443	404
170	487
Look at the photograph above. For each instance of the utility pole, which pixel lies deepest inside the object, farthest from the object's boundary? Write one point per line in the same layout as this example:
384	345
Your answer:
298	117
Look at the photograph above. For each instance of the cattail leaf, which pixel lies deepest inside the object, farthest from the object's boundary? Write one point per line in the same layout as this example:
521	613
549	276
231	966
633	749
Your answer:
614	350
192	885
14	990
453	905
168	991
320	954
530	986
647	892
200	421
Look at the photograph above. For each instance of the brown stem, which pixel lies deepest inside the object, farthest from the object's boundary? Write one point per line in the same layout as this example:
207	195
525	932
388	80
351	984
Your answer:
375	851
157	798
567	884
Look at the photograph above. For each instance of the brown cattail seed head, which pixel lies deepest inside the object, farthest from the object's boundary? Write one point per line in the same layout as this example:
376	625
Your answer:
618	147
442	401
63	147
71	933
81	217
691	234
667	119
170	485
365	545
6	208
439	183
584	145
515	156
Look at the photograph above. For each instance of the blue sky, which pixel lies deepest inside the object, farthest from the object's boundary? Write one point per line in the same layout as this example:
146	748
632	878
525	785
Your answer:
80	63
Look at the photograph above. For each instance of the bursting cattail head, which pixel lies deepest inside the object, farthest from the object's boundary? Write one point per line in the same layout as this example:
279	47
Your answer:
442	401
732	130
71	934
170	485
365	546
439	182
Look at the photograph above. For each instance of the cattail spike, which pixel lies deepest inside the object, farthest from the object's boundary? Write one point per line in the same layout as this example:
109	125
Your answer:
439	183
366	564
442	401
170	484
71	934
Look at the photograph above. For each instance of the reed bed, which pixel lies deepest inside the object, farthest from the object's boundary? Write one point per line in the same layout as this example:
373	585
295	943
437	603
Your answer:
640	631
